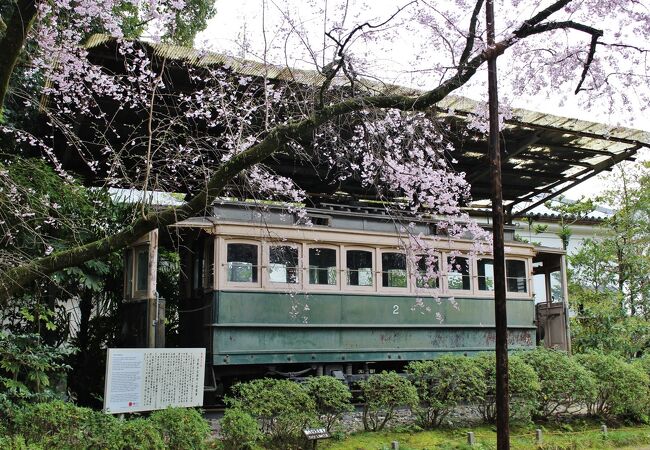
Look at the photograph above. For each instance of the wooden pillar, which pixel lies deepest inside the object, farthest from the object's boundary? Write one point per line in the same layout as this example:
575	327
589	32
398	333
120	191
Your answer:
500	314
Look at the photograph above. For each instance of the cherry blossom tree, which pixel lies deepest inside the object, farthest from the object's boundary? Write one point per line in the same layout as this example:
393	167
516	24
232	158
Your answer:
217	139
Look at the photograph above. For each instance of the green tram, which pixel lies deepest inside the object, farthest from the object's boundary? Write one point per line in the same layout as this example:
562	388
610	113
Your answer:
264	295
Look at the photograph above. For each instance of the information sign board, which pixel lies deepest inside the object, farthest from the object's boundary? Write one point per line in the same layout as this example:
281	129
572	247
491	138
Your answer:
313	434
146	379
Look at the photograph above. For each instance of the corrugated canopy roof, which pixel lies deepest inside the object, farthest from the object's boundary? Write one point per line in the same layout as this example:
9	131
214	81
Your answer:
543	155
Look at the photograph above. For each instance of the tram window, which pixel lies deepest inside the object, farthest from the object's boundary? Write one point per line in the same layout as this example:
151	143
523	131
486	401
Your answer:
458	273
242	263
485	274
427	276
516	275
322	266
359	264
142	269
283	264
393	270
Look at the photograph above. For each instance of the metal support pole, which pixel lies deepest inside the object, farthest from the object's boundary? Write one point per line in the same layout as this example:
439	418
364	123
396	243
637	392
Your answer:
500	314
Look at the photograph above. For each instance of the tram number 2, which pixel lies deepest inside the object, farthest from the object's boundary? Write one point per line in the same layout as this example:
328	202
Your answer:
396	310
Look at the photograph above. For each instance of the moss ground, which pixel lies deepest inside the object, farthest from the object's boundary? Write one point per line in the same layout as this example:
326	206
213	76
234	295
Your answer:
555	437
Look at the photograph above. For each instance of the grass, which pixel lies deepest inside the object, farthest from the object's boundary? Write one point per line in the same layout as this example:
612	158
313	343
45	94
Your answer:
555	437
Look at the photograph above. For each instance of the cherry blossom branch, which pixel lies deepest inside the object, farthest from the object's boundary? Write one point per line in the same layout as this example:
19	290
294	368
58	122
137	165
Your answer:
471	36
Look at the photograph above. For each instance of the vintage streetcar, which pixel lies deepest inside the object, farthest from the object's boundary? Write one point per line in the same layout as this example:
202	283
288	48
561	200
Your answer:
265	296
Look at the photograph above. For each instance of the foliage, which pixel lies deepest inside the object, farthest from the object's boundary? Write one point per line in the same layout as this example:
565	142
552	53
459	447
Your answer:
609	284
524	388
181	428
282	407
382	394
444	383
61	425
331	397
564	383
239	429
29	369
136	434
622	388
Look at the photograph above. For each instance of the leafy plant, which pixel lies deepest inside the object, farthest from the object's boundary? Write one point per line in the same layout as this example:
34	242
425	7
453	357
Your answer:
282	407
524	387
239	429
444	383
564	383
181	428
383	393
622	388
331	398
29	368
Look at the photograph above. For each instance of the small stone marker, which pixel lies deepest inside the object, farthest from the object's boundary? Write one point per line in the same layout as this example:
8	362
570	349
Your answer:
394	445
603	428
470	438
316	434
538	436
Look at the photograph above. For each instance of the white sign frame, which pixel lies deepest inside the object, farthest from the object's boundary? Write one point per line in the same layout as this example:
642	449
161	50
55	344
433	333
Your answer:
149	379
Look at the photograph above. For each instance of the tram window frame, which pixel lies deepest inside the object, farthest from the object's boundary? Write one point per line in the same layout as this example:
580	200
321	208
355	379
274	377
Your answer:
486	292
225	261
338	272
527	284
346	271
209	246
407	281
447	272
416	271
267	265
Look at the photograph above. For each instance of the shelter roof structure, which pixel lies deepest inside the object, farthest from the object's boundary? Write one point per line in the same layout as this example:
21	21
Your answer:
543	156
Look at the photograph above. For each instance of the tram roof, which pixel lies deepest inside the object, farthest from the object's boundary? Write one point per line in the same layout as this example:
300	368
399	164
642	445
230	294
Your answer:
543	156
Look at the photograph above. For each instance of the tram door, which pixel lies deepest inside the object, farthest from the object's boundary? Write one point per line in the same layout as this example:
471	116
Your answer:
549	270
143	323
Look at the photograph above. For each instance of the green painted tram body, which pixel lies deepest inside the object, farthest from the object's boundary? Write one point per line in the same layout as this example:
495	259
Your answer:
321	322
255	327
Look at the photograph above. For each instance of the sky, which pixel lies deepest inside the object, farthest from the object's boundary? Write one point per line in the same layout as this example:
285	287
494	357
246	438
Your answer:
236	30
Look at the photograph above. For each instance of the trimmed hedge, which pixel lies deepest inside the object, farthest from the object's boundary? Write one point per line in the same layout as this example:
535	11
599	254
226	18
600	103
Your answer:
444	383
382	394
564	383
623	389
524	387
331	398
61	425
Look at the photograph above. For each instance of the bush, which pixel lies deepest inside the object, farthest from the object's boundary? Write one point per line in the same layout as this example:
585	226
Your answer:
282	408
444	383
135	434
331	398
622	388
62	425
382	394
239	429
564	383
524	387
17	443
181	428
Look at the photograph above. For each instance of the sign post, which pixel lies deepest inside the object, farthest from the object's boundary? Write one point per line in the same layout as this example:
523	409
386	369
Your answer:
147	379
316	434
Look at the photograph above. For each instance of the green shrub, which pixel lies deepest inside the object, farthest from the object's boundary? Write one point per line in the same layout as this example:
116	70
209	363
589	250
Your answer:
564	383
181	428
239	429
17	443
524	387
622	388
135	434
59	424
331	398
383	393
444	383
282	408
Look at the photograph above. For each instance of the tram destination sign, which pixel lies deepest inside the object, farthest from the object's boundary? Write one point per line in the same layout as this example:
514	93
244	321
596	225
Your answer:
147	379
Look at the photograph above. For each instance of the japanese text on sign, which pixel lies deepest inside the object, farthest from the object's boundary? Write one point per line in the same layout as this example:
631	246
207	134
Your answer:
146	379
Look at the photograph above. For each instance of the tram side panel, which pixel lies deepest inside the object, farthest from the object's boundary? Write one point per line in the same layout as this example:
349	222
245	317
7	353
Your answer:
271	328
